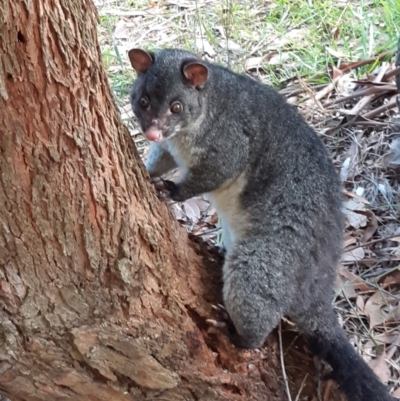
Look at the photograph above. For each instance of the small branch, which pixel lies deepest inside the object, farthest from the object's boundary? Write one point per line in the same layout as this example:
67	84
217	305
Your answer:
386	107
323	92
390	73
301	388
371	90
328	390
393	348
367	99
285	379
352	66
375	241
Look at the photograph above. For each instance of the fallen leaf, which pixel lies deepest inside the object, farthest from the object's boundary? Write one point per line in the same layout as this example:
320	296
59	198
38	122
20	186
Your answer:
381	368
356	220
344	285
355	196
201	203
373	309
396	393
232	46
372	225
278	58
348	240
356	281
392	158
211	211
360	304
192	210
178	212
360	191
344	171
120	31
335	53
381	339
253	63
392	279
379	309
204	45
336	72
350	208
353	255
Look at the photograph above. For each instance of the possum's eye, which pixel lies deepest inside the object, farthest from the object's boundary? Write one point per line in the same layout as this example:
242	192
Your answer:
176	107
144	102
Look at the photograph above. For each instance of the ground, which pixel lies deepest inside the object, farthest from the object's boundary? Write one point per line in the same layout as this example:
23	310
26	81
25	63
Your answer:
336	61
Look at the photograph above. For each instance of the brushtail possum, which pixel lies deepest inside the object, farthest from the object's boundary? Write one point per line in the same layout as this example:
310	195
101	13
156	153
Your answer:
275	188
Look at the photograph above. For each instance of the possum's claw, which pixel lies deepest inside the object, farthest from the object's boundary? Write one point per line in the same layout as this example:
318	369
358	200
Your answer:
216	323
226	326
221	250
221	309
224	322
166	189
160	187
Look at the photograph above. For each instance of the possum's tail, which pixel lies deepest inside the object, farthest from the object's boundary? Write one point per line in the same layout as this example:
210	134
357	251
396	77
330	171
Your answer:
355	378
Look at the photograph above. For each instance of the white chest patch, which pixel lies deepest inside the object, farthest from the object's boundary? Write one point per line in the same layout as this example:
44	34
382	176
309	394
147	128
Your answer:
177	153
234	219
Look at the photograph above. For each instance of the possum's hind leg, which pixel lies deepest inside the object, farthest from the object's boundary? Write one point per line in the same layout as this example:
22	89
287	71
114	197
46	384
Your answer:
253	292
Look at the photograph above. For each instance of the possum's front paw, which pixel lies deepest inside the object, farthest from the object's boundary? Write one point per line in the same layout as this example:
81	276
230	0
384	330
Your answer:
223	318
172	190
225	324
162	187
221	250
167	189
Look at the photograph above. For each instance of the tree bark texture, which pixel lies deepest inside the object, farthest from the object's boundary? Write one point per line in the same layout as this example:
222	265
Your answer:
103	296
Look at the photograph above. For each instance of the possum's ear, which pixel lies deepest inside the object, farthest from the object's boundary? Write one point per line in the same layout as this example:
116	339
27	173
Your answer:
196	73
140	60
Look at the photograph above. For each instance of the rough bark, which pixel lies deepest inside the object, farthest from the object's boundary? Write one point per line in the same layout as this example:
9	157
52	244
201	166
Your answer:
103	295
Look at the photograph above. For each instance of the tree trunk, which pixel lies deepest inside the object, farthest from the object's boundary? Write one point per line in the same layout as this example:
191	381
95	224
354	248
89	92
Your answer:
103	295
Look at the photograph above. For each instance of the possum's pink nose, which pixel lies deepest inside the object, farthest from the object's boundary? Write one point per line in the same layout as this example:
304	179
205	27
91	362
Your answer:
153	134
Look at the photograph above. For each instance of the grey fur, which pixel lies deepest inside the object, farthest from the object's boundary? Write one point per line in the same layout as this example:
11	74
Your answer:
275	187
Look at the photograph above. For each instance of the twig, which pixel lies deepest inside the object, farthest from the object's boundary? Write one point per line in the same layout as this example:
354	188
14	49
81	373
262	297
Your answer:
367	99
323	92
390	73
370	123
398	65
285	379
393	269
291	344
352	66
355	122
369	91
319	387
359	318
392	349
328	390
206	232
301	387
375	241
295	89
386	107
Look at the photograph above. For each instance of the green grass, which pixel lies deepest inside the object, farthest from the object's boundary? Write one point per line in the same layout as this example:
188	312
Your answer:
306	36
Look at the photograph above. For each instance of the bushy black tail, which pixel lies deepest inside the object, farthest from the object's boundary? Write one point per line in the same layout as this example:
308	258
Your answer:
354	377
